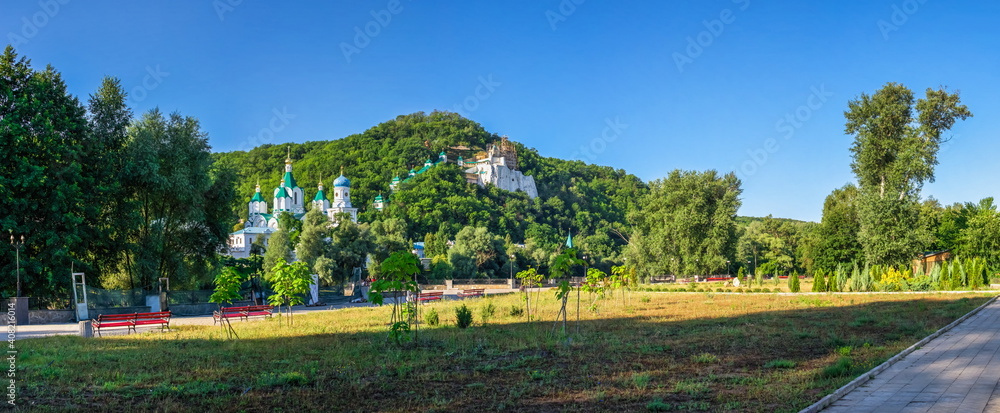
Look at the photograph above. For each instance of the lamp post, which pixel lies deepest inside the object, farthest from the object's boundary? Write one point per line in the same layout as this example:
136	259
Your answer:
728	271
17	252
512	270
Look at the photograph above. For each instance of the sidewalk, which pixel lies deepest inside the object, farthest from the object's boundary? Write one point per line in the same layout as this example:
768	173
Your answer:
958	371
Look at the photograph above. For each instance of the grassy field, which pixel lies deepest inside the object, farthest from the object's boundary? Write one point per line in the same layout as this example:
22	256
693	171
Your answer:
661	352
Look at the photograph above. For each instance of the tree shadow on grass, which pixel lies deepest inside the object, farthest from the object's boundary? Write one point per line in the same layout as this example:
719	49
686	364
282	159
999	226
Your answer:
715	361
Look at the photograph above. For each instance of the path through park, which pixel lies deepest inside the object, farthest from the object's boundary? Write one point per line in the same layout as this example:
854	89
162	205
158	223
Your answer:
958	371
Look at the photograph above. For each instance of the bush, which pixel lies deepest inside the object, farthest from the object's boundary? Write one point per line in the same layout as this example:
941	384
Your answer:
793	283
463	316
780	364
841	368
487	312
515	311
431	317
646	299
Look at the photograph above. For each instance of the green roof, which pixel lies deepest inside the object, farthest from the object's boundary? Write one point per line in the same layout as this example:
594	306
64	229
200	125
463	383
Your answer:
281	193
290	180
257	197
319	196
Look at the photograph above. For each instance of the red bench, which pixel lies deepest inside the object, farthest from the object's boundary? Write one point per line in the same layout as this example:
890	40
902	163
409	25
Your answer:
243	312
474	292
430	296
131	321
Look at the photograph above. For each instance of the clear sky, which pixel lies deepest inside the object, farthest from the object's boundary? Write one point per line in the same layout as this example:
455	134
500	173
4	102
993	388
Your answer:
646	86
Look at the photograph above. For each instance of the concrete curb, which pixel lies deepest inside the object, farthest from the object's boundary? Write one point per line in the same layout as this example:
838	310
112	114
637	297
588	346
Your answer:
862	379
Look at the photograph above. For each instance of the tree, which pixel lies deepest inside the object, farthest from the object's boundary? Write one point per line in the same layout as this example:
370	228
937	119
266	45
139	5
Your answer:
181	199
686	224
893	155
476	252
388	236
398	273
43	144
793	283
529	279
312	239
981	235
819	281
352	244
289	282
279	249
227	289
838	231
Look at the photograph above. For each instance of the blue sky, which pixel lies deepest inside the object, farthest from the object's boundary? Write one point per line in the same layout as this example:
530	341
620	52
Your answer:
646	86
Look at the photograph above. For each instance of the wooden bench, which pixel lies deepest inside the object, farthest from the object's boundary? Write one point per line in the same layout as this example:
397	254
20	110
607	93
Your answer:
242	312
474	292
430	296
131	321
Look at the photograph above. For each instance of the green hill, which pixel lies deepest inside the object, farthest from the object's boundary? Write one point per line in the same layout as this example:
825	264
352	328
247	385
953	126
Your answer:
591	201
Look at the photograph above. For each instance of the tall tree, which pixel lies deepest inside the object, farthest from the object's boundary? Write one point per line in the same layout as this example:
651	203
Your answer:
686	224
312	240
893	155
838	231
279	246
181	202
43	133
981	237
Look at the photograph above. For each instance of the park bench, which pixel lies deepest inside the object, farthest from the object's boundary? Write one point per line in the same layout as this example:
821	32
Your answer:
474	292
244	312
430	296
131	321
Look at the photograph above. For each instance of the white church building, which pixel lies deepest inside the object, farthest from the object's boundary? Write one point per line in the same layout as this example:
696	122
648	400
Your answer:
288	198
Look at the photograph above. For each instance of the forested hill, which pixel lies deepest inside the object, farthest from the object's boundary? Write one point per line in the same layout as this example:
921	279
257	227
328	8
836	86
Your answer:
591	201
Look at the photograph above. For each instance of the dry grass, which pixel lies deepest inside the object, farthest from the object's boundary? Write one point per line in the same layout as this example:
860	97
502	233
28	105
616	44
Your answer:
708	352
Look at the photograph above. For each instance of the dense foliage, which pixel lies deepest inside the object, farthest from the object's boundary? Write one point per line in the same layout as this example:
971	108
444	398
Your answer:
94	191
589	200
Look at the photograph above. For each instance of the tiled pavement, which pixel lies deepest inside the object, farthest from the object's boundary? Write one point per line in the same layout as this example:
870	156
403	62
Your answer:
958	371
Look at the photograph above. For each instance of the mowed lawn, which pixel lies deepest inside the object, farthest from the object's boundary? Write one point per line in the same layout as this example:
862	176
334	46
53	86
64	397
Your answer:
660	352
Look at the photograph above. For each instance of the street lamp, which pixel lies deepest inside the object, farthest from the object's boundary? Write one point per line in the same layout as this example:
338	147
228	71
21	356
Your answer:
17	248
512	270
728	271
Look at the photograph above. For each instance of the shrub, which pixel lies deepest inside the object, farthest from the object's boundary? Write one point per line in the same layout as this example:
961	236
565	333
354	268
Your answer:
705	358
819	282
463	316
793	283
487	312
659	406
841	368
646	299
515	311
780	364
431	317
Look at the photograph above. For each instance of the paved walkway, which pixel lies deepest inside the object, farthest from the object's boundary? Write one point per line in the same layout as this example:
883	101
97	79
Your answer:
959	371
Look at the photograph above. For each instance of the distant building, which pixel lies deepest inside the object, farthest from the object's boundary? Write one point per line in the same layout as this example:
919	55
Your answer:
928	259
499	168
288	198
